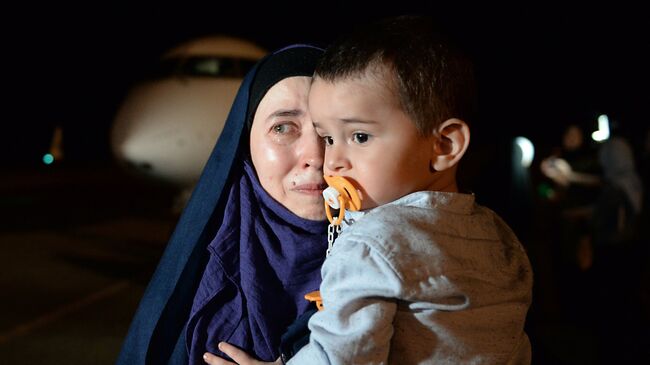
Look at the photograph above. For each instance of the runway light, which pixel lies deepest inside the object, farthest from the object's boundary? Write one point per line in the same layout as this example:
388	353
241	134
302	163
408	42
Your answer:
602	133
48	158
527	151
546	191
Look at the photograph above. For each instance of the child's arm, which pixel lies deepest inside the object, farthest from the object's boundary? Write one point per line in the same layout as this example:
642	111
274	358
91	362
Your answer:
355	326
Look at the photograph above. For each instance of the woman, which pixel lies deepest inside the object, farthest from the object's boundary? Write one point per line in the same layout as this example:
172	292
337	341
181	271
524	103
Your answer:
258	211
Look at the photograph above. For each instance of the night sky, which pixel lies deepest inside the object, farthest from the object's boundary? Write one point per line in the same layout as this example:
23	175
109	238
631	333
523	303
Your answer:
539	67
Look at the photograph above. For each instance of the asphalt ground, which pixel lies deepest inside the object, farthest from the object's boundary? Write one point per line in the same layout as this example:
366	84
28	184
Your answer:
78	245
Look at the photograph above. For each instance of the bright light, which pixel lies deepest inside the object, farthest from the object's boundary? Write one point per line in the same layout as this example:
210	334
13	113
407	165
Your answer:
603	129
527	150
48	158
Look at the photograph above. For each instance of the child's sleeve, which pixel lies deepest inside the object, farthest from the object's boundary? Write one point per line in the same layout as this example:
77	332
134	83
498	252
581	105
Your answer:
355	327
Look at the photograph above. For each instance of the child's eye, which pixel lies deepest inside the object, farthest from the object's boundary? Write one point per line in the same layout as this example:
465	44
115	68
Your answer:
360	137
328	140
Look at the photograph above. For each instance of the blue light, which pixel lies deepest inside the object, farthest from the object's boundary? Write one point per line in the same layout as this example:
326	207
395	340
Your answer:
48	158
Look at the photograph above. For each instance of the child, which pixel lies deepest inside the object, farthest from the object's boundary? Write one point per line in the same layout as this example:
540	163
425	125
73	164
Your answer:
422	274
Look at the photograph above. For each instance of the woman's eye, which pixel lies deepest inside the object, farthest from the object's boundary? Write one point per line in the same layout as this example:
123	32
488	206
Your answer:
328	140
284	128
284	133
360	137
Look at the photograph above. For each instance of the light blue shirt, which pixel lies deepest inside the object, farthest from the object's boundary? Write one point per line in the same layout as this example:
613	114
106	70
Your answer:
431	278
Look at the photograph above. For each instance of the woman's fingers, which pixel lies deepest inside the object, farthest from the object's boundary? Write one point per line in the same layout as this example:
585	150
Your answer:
240	357
215	360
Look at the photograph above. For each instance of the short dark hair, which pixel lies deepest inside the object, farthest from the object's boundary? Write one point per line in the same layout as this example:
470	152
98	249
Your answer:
433	79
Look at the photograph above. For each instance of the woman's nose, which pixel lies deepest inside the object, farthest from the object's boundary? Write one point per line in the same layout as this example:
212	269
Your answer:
313	152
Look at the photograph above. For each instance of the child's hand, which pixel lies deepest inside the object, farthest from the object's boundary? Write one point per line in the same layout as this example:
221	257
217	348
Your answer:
240	356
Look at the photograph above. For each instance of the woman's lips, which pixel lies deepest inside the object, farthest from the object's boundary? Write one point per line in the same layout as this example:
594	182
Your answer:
310	188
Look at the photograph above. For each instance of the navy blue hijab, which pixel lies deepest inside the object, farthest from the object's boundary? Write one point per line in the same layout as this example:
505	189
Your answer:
238	262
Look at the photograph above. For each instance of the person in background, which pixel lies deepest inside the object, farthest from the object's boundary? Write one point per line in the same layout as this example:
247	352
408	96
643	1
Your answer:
621	194
614	276
619	255
575	170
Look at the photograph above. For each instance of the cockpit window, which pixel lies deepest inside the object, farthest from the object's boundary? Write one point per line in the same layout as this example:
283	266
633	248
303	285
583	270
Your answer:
202	66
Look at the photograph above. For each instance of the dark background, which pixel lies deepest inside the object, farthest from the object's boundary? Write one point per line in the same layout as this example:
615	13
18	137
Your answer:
539	66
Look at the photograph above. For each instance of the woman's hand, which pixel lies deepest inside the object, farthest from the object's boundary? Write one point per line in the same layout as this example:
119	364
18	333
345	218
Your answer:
240	356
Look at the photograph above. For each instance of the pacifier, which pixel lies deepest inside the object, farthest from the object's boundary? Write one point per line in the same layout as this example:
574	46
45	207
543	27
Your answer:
340	195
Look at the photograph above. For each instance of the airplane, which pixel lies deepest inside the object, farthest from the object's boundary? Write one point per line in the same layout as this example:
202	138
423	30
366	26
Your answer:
167	125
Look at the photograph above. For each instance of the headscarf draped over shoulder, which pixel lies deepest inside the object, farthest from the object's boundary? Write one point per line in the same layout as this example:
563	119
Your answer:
156	334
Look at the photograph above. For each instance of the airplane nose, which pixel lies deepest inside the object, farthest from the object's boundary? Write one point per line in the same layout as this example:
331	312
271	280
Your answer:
167	128
137	150
160	153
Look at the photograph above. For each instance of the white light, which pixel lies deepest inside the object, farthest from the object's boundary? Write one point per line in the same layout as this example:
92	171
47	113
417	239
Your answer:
603	129
527	150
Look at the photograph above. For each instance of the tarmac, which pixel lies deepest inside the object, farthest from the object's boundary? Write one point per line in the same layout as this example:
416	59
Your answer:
79	245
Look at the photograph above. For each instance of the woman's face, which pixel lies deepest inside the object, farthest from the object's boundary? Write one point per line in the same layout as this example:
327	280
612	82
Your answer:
286	152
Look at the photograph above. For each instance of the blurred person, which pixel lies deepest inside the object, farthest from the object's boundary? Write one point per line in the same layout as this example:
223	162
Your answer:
613	212
621	194
575	171
610	252
619	254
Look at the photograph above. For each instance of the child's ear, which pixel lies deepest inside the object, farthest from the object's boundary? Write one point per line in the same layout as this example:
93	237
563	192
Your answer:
450	144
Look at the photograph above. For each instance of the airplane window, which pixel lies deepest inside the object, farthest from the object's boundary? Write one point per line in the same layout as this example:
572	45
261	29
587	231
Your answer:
208	66
202	66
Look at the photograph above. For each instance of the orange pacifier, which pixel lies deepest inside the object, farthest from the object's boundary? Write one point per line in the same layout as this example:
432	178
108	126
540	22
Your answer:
315	297
340	195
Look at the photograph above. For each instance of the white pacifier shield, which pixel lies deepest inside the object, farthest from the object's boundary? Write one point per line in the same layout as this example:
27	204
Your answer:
331	196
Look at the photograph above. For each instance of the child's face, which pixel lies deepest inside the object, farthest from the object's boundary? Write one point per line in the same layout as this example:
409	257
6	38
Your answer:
370	140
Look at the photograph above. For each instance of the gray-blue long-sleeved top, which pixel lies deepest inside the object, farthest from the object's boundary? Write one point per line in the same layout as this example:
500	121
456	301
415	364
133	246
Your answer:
431	278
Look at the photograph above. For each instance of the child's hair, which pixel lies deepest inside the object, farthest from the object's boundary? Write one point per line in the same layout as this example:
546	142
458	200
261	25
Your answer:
433	79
